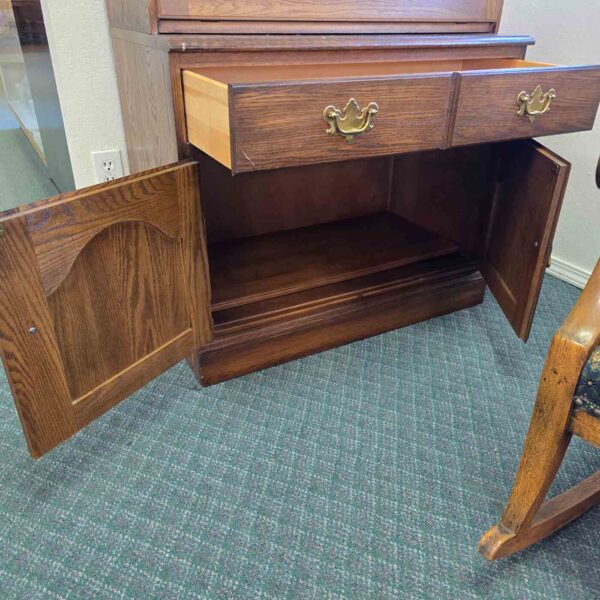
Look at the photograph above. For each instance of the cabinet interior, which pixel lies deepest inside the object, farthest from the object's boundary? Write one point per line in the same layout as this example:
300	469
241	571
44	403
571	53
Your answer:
296	240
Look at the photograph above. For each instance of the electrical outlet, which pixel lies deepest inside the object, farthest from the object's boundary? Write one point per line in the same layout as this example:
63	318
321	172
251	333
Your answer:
108	165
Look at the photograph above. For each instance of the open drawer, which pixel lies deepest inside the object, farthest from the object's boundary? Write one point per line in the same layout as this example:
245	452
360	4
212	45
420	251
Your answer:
270	116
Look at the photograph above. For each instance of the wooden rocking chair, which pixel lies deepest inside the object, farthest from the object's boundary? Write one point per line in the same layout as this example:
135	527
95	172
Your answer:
567	403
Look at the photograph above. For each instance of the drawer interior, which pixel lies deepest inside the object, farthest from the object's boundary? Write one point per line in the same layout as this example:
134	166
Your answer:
243	74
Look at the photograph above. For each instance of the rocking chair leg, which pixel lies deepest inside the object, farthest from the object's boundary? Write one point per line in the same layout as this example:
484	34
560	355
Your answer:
545	447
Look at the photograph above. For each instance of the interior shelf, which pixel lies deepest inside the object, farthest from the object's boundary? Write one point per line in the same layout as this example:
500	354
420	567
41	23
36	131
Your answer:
301	304
256	269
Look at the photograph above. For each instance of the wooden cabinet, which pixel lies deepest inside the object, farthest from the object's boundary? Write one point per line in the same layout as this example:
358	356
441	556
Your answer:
332	187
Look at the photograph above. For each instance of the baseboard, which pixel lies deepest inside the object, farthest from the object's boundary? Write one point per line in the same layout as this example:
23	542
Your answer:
565	271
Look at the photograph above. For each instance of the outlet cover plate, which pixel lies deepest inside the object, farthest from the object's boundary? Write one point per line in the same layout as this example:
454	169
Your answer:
108	165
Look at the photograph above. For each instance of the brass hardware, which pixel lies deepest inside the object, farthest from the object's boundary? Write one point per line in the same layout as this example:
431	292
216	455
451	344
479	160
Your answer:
351	121
537	103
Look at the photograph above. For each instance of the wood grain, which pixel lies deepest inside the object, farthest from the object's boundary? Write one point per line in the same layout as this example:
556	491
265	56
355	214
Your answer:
526	519
134	299
137	15
207	116
586	427
447	192
332	326
32	361
253	269
267	201
144	82
328	10
526	206
187	26
77	224
487	105
279	126
123	298
314	300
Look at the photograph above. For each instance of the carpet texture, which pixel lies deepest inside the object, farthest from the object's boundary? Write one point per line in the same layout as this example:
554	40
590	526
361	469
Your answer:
369	471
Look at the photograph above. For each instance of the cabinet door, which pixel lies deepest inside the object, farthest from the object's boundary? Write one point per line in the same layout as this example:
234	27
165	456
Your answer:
101	290
526	206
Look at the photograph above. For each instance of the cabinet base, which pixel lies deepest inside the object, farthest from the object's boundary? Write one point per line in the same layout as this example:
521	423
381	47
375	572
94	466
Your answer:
229	356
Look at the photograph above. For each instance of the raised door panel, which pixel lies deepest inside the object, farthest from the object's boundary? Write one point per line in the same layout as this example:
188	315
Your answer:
525	210
102	290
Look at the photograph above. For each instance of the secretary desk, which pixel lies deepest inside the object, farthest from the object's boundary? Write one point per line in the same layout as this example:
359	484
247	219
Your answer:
304	174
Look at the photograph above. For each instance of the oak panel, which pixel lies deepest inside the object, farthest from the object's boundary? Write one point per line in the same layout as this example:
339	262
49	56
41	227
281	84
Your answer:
132	298
122	299
487	104
333	10
282	125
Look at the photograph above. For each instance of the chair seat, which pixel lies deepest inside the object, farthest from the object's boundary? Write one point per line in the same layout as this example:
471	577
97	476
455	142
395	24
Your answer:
587	393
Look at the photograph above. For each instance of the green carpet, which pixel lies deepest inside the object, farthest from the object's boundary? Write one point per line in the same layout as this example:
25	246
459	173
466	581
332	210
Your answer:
369	471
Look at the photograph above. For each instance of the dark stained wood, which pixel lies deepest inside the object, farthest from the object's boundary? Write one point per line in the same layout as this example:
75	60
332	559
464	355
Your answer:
260	348
253	269
447	45
487	105
333	10
268	201
183	26
447	192
277	126
312	301
125	298
526	205
525	520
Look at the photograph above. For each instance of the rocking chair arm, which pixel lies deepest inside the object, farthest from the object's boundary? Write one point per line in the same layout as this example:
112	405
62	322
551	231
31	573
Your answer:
582	326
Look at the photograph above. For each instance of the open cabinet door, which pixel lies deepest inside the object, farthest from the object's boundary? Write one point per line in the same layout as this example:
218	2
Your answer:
527	200
100	291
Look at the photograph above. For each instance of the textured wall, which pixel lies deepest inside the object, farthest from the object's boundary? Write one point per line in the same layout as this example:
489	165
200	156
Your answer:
80	46
567	33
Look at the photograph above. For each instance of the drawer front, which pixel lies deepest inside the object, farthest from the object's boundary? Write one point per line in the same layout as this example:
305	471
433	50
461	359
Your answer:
283	125
488	107
332	10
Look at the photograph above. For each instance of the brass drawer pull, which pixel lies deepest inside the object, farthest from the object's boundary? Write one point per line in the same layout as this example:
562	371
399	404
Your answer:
351	121
537	103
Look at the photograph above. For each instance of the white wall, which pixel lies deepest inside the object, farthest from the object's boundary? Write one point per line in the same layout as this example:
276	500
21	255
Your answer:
568	32
80	46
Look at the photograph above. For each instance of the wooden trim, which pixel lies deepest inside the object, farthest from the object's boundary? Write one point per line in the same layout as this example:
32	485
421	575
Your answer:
32	359
586	426
312	43
123	384
188	26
